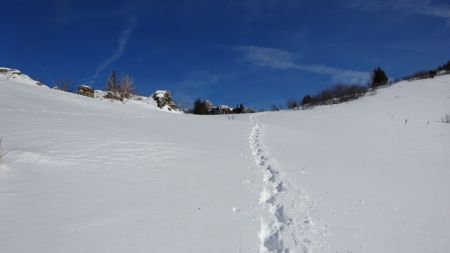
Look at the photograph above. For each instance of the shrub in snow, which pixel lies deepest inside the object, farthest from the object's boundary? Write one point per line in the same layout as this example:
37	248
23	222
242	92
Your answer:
425	74
239	109
337	94
64	85
242	109
274	108
292	104
112	87
119	90
445	67
126	89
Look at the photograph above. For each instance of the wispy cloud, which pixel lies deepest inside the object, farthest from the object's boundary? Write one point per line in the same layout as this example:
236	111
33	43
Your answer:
121	44
273	58
421	7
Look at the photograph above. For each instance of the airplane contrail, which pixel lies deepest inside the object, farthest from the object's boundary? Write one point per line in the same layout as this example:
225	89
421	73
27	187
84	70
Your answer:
121	44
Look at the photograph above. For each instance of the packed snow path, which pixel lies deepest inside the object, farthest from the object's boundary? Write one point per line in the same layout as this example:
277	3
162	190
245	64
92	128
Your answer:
280	232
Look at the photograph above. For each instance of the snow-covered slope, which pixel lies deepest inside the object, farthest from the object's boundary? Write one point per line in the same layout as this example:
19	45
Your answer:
373	173
16	76
136	100
9	74
88	175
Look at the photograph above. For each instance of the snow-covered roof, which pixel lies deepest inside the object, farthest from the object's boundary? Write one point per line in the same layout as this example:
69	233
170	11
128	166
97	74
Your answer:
160	93
85	86
223	107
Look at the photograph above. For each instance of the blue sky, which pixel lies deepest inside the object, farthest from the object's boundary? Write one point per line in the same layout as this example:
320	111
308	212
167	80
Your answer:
257	52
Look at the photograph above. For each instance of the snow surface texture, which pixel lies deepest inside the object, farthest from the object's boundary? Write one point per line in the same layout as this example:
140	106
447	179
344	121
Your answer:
278	230
377	169
88	175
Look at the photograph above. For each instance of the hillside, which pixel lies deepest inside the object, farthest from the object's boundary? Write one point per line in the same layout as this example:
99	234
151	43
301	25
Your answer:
88	175
375	171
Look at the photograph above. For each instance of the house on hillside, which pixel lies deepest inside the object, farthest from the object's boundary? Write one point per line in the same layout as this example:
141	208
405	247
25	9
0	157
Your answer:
85	90
222	109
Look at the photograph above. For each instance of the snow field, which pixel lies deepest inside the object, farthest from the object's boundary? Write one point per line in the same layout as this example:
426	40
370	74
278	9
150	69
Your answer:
89	175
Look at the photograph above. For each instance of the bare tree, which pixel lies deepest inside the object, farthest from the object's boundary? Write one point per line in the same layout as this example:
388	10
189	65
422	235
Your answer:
292	104
119	90
113	86
127	87
112	83
65	85
183	104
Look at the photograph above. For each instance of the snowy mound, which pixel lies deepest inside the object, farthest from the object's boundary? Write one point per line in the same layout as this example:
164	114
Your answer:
164	100
17	76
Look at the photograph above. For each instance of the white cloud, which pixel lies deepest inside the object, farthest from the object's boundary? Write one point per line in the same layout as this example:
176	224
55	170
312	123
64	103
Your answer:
283	60
268	57
121	44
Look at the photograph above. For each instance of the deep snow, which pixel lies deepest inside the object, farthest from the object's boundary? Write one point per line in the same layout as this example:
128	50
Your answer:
88	175
377	170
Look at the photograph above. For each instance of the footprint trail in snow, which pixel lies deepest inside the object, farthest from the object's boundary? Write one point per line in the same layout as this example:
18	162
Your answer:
280	232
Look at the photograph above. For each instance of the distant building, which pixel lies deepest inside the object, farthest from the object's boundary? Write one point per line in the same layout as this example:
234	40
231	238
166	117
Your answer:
85	90
222	109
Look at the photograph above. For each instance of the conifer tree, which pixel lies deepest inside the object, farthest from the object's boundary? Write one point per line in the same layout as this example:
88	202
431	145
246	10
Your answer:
200	107
378	78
